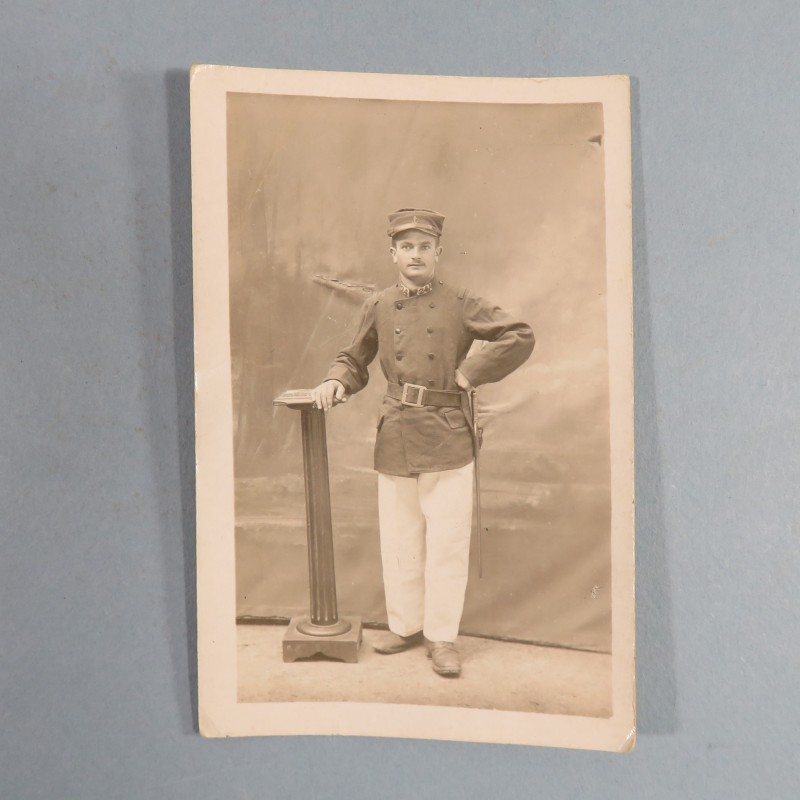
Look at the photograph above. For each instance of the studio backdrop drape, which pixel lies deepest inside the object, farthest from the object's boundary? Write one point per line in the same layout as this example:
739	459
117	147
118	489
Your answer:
310	183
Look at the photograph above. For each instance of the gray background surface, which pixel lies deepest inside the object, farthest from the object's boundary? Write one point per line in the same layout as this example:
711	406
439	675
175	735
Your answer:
96	630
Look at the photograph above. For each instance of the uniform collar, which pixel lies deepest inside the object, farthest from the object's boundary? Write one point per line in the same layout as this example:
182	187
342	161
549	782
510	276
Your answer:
406	292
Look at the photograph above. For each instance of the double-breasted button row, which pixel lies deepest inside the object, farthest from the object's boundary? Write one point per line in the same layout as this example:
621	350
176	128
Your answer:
398	305
400	330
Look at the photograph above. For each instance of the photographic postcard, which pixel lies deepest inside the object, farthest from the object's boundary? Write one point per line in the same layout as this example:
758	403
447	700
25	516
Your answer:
414	406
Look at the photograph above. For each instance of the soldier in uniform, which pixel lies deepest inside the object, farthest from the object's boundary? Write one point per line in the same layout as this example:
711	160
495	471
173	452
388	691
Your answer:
421	328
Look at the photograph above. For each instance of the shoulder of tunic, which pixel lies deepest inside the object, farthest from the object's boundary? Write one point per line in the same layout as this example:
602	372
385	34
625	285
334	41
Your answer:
381	293
452	291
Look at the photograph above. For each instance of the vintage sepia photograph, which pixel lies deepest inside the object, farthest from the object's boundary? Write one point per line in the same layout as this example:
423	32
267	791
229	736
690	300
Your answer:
414	406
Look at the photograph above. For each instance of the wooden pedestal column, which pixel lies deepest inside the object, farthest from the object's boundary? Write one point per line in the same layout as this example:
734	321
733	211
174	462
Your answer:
322	630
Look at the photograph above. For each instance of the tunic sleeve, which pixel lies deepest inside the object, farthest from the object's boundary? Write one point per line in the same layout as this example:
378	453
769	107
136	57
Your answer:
350	365
509	341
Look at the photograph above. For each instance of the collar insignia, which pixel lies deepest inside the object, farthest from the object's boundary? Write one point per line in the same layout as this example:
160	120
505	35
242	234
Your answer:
415	292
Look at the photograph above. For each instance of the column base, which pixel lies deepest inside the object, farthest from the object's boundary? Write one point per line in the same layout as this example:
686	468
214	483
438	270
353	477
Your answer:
343	646
306	626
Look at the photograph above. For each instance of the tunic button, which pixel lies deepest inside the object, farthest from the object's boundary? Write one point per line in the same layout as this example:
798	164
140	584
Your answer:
430	383
397	330
430	330
398	305
399	356
433	305
431	356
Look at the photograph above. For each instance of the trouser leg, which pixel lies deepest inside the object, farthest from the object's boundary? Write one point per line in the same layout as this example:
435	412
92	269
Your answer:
446	502
402	531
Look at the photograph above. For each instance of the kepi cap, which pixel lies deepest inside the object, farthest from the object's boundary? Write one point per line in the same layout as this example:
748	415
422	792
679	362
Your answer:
419	219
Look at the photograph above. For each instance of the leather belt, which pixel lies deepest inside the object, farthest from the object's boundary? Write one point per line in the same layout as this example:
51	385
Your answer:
412	394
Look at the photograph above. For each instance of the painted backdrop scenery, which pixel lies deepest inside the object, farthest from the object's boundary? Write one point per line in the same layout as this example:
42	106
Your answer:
311	181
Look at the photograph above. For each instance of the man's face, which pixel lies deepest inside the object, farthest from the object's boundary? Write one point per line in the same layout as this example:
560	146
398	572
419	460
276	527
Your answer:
415	254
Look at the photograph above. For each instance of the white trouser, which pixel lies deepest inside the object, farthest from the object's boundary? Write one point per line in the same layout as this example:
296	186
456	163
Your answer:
425	524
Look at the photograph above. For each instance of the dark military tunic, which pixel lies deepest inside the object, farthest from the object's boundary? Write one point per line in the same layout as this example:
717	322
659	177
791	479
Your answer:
422	340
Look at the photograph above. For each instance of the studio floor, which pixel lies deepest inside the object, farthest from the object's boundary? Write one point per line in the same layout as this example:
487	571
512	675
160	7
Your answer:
497	675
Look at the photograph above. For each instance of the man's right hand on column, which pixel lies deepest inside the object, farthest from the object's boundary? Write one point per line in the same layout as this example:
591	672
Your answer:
328	393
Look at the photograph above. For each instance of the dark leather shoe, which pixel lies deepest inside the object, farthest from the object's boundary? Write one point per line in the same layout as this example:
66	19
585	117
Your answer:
445	658
389	643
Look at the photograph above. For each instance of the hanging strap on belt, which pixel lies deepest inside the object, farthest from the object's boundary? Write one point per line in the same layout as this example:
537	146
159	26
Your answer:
411	394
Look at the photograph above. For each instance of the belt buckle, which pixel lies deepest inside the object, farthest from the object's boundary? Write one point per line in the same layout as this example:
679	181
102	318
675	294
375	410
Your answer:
420	395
